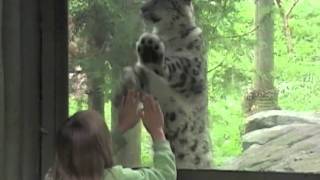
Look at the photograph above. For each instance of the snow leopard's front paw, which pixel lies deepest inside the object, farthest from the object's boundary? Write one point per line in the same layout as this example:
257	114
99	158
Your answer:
150	50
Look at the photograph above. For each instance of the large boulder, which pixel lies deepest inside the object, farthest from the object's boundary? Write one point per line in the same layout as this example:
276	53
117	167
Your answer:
289	143
268	119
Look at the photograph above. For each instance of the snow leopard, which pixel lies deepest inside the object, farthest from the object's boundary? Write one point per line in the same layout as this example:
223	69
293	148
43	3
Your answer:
171	67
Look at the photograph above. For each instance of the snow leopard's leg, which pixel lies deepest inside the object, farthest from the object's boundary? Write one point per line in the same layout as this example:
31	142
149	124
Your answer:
170	77
133	78
150	60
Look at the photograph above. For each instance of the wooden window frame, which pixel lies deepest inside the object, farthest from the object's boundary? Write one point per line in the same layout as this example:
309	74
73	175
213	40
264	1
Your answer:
54	80
54	76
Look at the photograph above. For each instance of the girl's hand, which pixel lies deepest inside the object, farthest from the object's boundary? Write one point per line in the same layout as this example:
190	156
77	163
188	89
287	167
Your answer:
128	114
153	118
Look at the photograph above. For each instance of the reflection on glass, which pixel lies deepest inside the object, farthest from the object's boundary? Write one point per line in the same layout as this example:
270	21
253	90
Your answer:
262	78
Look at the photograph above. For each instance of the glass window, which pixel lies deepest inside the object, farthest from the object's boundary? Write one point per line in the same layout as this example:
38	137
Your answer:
256	75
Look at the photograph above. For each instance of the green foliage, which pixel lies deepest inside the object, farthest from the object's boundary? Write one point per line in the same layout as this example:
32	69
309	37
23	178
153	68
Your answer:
230	71
226	121
103	30
231	44
297	74
76	105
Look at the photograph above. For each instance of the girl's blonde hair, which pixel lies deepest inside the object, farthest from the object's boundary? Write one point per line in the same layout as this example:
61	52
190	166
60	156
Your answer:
83	148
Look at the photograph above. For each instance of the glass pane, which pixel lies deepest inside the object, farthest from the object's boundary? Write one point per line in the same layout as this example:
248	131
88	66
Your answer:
243	94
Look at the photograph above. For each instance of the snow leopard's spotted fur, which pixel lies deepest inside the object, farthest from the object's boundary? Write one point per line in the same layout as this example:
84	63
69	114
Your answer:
170	66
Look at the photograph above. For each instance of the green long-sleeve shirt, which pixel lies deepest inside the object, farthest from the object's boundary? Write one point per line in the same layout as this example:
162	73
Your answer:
163	169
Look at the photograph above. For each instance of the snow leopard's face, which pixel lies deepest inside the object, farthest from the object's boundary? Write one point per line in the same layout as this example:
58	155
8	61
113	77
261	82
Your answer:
166	12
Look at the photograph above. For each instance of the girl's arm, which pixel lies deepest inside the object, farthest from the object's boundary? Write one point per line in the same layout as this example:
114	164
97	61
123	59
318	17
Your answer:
163	168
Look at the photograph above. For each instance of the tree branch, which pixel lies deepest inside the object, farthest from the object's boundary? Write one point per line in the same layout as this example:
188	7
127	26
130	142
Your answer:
278	3
292	7
220	64
286	27
243	34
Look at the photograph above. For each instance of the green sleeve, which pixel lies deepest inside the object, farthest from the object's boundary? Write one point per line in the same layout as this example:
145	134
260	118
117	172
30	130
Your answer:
164	167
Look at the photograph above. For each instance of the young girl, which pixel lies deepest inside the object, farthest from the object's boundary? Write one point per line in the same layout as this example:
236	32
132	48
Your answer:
84	149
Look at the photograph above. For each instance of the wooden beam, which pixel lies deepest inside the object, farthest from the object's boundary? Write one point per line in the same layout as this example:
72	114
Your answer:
54	76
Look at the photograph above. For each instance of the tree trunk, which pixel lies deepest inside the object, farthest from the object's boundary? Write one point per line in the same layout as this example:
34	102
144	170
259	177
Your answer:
96	94
130	155
123	49
264	96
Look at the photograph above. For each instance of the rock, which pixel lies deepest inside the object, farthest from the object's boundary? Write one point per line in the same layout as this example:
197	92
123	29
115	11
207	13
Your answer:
264	136
268	119
285	148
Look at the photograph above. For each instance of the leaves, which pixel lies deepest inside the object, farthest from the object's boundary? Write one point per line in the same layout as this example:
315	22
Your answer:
231	58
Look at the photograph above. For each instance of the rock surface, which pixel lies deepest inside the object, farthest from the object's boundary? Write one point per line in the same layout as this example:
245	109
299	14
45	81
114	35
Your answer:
268	119
280	141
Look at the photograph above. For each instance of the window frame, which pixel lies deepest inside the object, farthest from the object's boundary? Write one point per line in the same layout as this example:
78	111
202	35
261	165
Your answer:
54	76
242	175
